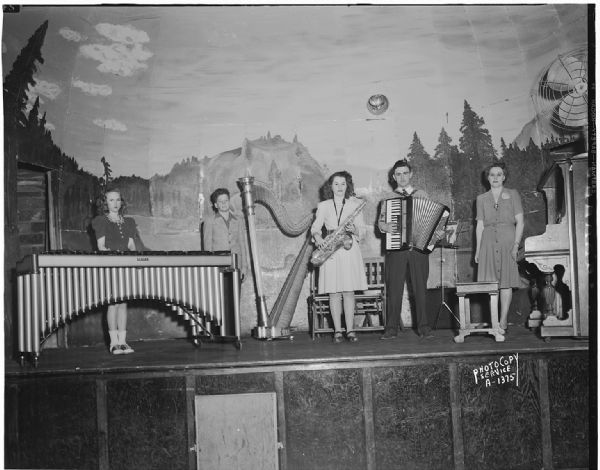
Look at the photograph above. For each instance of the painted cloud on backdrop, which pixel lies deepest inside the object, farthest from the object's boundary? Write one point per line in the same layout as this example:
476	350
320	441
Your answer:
71	35
111	124
92	89
125	56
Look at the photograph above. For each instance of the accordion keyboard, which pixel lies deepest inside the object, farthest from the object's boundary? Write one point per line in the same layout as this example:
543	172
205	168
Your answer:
415	221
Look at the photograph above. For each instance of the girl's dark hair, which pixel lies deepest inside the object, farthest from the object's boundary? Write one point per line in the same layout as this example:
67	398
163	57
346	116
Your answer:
104	204
215	195
500	165
328	192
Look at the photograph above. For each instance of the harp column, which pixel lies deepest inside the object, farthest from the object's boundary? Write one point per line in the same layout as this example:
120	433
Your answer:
245	184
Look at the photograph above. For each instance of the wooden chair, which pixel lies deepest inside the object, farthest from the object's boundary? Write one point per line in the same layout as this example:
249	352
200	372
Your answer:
369	303
463	290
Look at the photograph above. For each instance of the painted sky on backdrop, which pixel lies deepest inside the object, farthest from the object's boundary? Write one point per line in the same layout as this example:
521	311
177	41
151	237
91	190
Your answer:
146	86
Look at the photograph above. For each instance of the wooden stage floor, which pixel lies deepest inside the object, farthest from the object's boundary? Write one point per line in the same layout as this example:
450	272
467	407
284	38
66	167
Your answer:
180	355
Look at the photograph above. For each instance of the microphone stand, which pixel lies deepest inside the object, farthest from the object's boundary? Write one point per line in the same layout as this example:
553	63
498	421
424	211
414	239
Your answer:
443	304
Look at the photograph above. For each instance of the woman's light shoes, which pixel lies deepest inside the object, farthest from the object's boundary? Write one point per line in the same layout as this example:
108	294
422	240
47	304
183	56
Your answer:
338	337
121	349
352	337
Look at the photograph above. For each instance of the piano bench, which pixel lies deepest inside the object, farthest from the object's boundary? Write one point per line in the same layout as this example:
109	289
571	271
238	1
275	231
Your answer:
463	290
370	304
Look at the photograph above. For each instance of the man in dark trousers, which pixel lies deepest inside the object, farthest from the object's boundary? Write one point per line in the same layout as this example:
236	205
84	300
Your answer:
398	262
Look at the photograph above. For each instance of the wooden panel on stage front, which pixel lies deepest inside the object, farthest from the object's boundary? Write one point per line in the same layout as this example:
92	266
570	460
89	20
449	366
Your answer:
501	422
146	422
569	399
236	431
325	419
412	417
57	425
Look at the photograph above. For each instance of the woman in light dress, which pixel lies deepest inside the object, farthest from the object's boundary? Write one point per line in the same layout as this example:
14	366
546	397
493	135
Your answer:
344	272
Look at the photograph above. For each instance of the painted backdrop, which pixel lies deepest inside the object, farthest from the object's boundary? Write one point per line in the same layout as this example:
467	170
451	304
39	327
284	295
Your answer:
171	102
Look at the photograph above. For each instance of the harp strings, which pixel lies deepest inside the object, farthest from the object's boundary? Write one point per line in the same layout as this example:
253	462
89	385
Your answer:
264	195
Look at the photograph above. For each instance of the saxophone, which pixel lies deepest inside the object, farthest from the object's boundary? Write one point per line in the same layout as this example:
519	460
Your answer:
335	240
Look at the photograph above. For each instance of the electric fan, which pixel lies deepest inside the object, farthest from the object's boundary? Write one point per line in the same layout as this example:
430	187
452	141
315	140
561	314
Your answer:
560	94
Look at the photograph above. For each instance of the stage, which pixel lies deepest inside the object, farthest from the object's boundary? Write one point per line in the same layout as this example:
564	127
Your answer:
283	354
401	403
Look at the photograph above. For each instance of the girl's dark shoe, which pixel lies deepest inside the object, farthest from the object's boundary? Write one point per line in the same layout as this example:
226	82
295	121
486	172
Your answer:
352	337
338	337
389	334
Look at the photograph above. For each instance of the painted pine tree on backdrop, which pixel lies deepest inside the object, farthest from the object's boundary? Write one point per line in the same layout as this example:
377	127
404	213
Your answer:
525	168
476	152
441	170
419	161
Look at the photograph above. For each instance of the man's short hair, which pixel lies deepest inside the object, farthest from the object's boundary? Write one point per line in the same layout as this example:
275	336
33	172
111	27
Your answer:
398	164
401	163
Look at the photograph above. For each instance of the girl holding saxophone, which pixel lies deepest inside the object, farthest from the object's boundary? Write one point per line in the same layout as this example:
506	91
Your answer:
343	272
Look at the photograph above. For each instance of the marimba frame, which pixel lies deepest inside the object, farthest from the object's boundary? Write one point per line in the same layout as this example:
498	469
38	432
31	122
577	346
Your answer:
53	291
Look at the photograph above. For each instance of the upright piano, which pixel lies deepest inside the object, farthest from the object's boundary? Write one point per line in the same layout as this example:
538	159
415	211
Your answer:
560	302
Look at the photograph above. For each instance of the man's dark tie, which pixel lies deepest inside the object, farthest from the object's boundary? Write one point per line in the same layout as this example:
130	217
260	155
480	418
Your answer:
404	193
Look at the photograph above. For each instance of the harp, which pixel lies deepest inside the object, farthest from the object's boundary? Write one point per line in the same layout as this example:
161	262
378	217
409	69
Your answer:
275	324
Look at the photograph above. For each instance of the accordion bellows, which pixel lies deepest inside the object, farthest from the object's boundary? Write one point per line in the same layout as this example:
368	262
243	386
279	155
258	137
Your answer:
415	221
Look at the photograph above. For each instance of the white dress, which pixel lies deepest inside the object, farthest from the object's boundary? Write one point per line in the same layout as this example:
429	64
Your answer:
345	269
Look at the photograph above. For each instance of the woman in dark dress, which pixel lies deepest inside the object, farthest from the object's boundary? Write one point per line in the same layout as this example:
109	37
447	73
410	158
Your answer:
499	230
115	233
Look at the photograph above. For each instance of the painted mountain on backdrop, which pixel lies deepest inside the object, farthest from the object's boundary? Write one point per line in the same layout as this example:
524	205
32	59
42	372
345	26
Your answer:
287	168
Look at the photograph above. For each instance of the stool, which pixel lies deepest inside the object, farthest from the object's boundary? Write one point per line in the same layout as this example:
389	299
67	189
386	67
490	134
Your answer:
463	290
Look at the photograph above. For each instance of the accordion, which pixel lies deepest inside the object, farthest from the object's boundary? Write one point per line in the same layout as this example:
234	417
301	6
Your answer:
414	221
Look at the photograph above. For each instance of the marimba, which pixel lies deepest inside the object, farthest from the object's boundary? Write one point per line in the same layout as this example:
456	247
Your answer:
53	288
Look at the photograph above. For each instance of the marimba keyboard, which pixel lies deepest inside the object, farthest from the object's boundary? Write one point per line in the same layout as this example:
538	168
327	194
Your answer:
52	288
